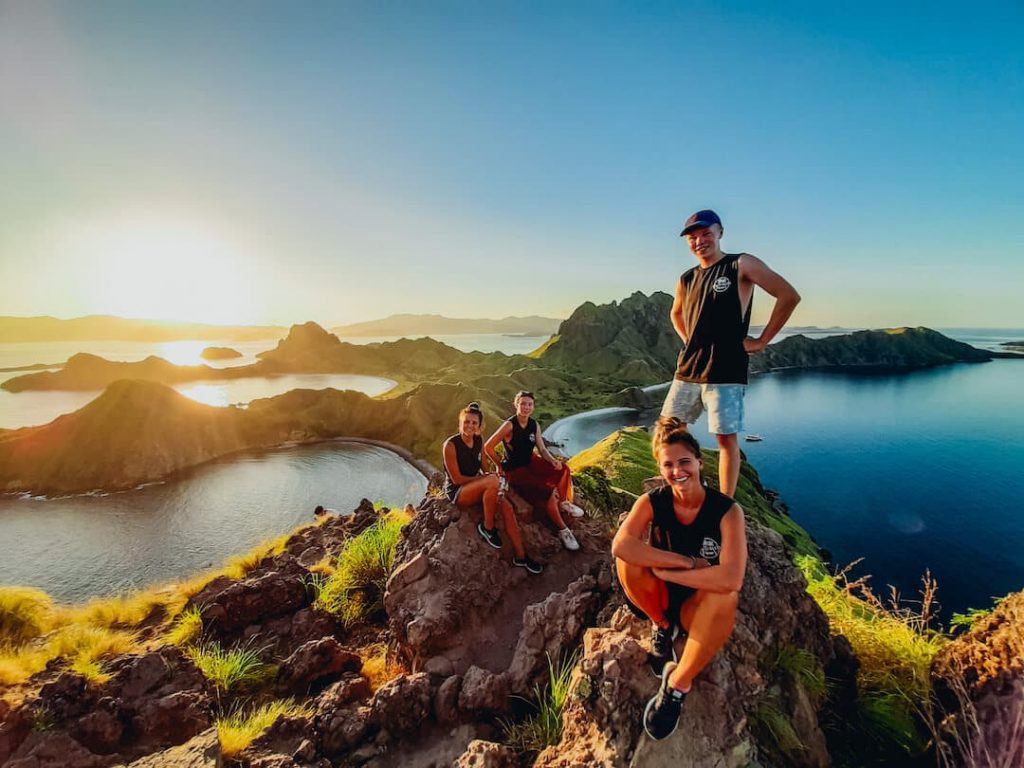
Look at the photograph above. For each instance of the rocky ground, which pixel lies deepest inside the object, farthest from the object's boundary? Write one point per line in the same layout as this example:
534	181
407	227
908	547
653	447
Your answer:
471	638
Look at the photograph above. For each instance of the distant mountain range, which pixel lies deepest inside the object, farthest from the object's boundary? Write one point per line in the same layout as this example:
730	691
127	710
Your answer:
423	325
110	328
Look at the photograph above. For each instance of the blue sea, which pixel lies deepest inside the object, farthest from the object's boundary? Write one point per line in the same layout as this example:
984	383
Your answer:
911	472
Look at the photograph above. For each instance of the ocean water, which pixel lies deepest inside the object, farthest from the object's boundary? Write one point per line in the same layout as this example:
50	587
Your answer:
26	409
909	472
77	547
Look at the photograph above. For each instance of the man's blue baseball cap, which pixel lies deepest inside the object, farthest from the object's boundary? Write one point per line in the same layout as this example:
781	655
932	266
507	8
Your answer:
699	220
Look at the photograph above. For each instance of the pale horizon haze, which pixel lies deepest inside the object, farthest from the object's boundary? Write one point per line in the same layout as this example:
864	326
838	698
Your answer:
271	163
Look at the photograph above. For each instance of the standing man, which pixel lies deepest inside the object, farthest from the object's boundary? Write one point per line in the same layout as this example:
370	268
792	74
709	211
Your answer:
711	314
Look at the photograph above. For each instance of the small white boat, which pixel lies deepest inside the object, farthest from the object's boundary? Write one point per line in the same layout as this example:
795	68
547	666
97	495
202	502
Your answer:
753	438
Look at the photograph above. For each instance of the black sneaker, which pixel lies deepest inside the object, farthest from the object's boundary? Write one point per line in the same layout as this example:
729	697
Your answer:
529	564
663	649
490	535
661	715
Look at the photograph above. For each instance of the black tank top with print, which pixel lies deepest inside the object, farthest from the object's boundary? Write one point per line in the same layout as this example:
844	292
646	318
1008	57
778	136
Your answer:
702	537
715	324
469	459
519	446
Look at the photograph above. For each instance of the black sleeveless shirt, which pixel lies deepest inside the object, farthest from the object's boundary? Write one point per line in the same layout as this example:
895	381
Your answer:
519	446
702	537
715	324
469	460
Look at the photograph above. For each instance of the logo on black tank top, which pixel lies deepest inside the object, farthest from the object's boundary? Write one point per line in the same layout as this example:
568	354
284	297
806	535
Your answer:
709	548
721	284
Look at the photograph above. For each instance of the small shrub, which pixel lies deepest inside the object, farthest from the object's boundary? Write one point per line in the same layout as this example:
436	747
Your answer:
355	590
377	667
232	669
771	720
187	627
543	728
241	727
801	666
120	611
24	613
19	663
895	647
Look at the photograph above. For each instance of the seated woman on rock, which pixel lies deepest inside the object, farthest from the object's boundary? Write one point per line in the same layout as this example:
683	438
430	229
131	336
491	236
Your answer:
689	574
466	484
544	482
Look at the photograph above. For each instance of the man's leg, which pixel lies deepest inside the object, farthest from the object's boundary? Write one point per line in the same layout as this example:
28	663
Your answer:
725	421
728	463
709	618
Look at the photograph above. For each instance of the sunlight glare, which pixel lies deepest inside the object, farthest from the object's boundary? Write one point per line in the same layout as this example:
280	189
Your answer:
161	266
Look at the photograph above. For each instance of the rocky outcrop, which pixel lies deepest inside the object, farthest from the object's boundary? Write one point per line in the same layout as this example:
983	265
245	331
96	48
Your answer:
721	721
629	340
979	680
892	349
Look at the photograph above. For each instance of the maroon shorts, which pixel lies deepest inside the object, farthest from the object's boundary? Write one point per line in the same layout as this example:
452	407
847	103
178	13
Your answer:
537	480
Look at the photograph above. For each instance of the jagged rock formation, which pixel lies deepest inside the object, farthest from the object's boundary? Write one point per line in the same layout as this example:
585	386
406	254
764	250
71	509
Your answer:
979	679
631	340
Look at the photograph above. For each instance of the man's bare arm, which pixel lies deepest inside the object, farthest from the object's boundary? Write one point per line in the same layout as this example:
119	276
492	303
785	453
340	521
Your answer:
676	314
753	270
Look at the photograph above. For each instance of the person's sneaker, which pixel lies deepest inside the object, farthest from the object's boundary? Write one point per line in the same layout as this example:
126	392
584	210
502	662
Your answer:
573	510
490	535
528	563
568	540
663	649
661	715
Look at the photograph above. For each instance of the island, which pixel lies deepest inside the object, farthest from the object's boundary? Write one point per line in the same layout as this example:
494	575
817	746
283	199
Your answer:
220	353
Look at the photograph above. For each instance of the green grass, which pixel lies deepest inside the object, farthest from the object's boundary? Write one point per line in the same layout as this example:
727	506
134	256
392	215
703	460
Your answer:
543	727
771	721
238	729
187	627
802	668
354	592
230	669
895	648
625	456
240	565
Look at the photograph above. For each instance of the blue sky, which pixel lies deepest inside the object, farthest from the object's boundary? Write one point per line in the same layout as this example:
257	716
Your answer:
277	162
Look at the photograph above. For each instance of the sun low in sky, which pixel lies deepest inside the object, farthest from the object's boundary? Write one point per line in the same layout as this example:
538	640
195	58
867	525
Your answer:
273	163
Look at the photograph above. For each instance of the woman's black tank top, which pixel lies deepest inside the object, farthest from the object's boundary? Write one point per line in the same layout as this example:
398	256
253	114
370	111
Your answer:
469	459
519	446
702	537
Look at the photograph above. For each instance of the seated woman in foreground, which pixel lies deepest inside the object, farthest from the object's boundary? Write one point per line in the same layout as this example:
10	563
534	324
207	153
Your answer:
689	574
466	484
544	482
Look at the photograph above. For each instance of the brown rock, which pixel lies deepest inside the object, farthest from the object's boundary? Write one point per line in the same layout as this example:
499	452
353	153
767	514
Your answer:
251	601
351	687
402	704
56	749
202	751
314	661
487	754
99	731
343	729
446	703
483	691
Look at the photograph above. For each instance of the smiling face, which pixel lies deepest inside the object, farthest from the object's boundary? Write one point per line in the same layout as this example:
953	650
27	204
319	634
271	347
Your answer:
469	425
704	242
524	406
679	467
